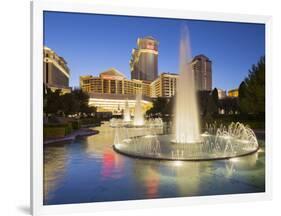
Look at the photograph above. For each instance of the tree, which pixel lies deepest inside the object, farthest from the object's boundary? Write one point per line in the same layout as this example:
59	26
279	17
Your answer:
68	104
242	92
203	101
82	99
215	96
169	108
75	102
51	101
159	107
252	98
229	105
208	102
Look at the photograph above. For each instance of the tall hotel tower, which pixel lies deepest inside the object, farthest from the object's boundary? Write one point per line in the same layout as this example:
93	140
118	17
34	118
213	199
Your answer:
144	60
56	72
202	67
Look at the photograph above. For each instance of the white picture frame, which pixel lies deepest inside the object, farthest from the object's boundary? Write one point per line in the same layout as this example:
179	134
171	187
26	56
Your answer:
37	9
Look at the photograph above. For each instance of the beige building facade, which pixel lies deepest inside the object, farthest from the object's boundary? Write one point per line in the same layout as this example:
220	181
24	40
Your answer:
221	93
113	82
164	86
56	73
111	89
233	93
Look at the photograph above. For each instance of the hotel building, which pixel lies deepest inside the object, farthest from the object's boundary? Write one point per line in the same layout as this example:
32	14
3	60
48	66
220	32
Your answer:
55	71
109	91
164	86
202	67
113	82
221	93
233	93
144	59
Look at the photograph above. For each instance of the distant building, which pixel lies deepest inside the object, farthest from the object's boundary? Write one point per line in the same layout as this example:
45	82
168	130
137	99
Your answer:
144	60
233	93
202	67
111	89
55	71
222	93
115	104
164	86
113	82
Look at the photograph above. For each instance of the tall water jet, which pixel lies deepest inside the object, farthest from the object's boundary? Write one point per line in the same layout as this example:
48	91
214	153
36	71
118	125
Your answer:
186	126
138	115
127	115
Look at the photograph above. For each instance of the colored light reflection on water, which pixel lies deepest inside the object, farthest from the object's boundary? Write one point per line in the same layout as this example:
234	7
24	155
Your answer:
89	170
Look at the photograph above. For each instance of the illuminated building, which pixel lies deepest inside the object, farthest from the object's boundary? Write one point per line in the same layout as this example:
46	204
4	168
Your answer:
221	94
202	67
164	85
233	93
116	103
110	90
113	82
56	73
144	60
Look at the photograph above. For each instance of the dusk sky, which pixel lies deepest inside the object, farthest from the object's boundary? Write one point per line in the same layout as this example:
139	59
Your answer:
93	43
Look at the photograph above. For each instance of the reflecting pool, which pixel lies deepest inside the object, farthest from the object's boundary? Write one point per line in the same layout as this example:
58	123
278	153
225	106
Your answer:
89	170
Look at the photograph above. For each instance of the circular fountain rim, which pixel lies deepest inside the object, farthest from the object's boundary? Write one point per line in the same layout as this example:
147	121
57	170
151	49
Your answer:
146	157
165	158
191	142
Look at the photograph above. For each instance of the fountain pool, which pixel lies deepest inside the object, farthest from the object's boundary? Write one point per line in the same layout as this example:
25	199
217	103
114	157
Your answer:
228	142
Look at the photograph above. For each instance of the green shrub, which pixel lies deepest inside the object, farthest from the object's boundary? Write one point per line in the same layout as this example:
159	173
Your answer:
88	121
56	130
75	124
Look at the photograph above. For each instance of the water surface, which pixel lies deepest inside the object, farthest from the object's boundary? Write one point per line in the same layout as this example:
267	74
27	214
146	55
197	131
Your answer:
88	170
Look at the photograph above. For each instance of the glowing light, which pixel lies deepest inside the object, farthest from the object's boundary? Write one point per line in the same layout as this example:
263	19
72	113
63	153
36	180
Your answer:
227	137
178	163
234	160
149	136
205	135
244	141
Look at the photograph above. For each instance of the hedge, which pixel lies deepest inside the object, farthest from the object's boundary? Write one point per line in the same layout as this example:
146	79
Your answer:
56	130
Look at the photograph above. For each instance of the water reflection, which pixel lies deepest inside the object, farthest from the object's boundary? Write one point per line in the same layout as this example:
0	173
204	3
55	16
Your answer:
89	170
55	159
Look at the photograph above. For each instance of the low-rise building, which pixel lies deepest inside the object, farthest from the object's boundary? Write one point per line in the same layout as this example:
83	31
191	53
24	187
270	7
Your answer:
111	89
233	93
113	82
221	93
164	86
116	103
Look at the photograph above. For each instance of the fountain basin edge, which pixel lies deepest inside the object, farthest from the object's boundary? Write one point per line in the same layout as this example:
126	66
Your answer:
147	157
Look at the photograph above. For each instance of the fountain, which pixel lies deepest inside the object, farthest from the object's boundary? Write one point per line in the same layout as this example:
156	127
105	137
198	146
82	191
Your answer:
138	115
187	129
186	142
139	120
127	115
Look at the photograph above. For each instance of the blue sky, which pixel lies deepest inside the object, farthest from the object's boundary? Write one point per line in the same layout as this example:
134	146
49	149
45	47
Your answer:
92	43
